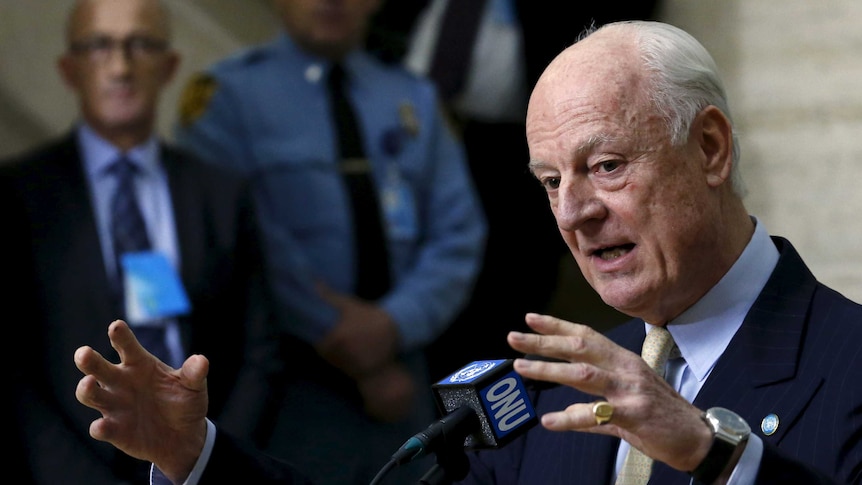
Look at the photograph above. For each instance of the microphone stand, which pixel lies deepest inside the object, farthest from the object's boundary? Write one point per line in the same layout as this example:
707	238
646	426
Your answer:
452	465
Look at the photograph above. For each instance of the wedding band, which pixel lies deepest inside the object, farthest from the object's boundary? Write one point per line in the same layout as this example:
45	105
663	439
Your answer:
603	411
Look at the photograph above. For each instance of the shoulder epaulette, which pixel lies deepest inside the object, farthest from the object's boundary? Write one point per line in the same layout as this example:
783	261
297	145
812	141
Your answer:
196	97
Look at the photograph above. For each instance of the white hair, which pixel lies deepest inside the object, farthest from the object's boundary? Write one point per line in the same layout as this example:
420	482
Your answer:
684	81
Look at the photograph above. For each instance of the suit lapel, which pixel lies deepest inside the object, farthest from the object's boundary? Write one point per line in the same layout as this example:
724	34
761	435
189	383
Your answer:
755	375
65	229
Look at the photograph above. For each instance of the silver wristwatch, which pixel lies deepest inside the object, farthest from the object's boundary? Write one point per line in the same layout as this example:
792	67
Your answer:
730	435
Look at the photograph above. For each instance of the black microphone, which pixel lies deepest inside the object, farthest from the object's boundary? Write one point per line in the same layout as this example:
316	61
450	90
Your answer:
448	430
485	405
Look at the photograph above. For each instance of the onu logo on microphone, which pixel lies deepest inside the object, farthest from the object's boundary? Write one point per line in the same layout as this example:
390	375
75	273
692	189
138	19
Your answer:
507	404
473	370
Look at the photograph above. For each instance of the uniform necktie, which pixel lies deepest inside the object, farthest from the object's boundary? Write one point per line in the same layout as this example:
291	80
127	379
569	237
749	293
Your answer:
657	347
372	260
129	234
451	59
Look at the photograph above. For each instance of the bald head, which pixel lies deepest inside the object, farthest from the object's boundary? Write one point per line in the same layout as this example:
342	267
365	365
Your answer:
611	49
83	10
602	69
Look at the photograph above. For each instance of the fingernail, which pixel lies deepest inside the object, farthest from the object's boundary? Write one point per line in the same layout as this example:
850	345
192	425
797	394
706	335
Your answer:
516	336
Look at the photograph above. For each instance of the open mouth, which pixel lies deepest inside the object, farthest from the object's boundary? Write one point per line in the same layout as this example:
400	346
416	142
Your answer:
613	252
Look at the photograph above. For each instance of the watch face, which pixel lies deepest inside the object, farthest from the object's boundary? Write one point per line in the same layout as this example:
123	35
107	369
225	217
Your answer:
730	421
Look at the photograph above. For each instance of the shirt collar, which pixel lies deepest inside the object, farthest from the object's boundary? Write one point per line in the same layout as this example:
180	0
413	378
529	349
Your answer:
314	67
98	154
703	331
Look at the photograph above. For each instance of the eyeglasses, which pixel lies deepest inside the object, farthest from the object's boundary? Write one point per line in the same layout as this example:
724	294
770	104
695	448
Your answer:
136	48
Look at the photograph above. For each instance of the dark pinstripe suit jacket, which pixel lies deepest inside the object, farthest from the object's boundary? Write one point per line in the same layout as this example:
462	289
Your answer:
63	296
798	354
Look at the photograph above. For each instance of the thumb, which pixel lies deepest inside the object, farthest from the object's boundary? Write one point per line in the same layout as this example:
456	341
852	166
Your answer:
193	373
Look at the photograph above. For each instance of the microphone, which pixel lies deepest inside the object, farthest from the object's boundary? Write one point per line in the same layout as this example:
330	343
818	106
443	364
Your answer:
485	405
449	429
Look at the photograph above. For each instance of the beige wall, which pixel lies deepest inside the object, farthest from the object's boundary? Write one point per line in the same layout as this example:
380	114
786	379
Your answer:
792	68
794	74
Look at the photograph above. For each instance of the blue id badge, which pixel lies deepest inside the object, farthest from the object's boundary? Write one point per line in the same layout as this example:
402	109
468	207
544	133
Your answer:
399	205
153	288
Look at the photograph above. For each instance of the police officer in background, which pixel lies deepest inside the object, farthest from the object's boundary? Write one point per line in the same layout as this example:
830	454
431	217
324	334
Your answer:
486	56
325	129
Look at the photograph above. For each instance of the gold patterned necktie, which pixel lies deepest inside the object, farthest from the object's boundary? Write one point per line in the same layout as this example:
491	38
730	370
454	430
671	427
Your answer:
656	349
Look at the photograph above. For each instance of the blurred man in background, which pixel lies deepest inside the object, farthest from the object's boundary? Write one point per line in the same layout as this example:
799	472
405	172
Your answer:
108	221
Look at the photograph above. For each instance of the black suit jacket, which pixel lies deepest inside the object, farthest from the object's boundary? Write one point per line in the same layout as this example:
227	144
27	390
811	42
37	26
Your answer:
63	297
798	354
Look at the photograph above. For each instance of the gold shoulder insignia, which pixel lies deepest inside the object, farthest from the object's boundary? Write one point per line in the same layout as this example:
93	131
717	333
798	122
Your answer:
196	97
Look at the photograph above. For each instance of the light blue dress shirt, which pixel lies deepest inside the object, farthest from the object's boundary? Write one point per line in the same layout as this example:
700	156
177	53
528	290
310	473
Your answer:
269	118
154	199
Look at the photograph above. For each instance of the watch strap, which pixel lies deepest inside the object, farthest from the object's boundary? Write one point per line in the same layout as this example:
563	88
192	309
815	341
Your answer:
729	436
716	460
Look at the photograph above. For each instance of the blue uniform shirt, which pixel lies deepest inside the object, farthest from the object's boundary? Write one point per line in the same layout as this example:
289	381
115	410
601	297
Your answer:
266	113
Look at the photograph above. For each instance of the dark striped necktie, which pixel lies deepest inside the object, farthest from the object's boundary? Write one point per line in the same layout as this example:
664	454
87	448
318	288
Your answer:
371	256
129	235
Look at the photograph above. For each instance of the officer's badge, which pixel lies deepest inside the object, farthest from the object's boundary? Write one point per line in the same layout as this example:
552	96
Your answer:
196	97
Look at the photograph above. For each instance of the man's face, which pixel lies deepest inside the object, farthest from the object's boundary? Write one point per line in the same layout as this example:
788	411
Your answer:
637	213
328	28
118	61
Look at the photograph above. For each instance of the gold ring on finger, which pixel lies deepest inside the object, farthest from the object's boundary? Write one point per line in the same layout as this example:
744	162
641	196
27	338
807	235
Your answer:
603	412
